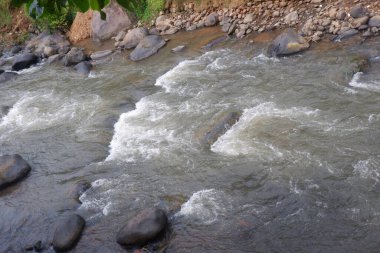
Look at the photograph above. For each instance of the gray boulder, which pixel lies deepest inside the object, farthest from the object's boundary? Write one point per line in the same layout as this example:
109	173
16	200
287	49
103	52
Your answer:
1	71
16	50
13	168
24	61
358	11
374	21
133	37
100	54
143	228
73	57
68	232
211	19
117	19
287	43
54	42
147	47
83	68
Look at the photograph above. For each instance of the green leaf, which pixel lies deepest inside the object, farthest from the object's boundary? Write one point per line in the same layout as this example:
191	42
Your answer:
82	5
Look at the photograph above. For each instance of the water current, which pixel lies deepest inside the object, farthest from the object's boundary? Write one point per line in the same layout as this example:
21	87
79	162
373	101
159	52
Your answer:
299	171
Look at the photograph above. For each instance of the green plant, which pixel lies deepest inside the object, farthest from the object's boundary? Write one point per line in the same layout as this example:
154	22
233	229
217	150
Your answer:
5	15
60	20
152	8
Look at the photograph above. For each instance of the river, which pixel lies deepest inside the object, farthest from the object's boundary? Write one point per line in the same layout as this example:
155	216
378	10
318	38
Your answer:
299	172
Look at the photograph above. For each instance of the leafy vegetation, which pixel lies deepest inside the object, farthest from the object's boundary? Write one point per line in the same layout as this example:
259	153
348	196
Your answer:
151	8
5	15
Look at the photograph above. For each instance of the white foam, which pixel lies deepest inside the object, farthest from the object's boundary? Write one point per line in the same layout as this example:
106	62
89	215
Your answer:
36	111
203	207
371	86
368	169
235	141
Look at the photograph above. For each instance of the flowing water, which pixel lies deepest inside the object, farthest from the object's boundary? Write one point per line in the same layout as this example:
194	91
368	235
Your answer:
299	172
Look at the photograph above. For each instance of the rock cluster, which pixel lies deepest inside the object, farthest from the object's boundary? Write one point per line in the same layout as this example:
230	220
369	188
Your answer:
313	18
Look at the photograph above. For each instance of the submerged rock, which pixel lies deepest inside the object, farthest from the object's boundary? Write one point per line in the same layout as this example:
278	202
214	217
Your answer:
218	126
83	67
68	232
147	47
13	168
4	110
143	228
287	43
7	76
24	61
79	188
178	48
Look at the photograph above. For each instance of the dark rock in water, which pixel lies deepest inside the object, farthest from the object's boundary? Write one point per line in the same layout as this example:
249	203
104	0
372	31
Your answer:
358	11
12	169
345	35
68	232
7	76
100	54
147	47
287	43
1	71
74	56
24	61
4	110
83	67
133	37
143	228
16	50
37	247
79	188
214	42
178	48
218	126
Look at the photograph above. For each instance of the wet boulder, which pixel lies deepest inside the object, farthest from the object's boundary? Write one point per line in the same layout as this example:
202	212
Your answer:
133	37
24	61
78	189
216	127
83	68
143	228
287	43
1	71
13	168
100	54
4	110
147	47
68	232
74	56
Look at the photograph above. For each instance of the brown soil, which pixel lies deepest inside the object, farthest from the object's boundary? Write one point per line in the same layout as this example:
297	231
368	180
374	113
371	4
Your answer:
16	32
81	27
